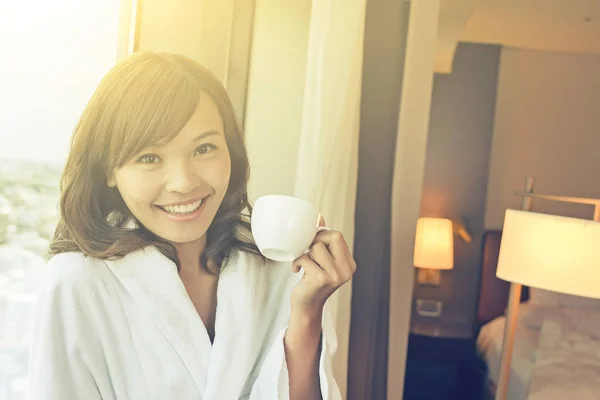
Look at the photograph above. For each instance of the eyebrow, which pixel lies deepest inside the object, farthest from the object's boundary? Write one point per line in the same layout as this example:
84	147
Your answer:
206	134
212	132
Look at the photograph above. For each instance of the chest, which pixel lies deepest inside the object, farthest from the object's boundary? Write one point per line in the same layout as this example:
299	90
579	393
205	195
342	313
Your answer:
202	291
159	335
167	354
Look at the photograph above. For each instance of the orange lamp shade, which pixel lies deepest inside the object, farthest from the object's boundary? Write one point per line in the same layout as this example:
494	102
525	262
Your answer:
434	244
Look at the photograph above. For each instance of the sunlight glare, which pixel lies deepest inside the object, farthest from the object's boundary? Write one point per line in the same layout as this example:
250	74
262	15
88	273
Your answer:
53	55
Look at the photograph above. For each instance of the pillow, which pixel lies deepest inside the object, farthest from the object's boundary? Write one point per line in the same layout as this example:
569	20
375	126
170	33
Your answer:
584	320
548	298
533	316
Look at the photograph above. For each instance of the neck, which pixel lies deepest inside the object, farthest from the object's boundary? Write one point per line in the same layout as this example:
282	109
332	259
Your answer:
189	256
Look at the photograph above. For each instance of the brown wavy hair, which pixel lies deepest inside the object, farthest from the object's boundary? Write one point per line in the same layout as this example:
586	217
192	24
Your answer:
145	99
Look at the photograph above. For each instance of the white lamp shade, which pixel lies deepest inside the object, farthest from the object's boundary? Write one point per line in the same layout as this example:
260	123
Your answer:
434	245
551	252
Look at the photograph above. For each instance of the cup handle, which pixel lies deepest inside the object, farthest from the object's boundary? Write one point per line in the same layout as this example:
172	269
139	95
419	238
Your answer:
321	228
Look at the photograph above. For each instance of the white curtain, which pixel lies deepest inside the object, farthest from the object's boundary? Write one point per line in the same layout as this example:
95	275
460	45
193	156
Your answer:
328	151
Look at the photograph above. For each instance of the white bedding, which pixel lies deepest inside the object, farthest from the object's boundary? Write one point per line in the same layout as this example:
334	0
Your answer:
556	353
489	343
567	363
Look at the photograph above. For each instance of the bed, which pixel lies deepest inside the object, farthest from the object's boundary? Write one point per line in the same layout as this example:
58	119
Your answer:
556	353
489	343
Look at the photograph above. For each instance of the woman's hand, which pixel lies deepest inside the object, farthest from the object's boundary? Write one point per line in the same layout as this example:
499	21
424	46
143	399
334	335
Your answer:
327	266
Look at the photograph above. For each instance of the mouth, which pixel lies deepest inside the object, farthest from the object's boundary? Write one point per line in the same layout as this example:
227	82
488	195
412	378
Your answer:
183	210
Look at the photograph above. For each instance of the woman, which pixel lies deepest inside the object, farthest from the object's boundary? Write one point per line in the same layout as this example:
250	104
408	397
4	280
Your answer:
156	290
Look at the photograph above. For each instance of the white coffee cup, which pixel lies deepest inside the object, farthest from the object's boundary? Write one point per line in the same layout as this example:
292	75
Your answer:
284	227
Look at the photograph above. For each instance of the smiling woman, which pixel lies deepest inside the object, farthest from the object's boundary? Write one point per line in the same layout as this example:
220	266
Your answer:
181	146
155	275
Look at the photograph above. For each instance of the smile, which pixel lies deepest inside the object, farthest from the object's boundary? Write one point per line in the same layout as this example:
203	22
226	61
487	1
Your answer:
182	209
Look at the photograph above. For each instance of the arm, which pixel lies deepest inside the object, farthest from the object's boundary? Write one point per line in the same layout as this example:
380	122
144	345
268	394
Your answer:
327	266
57	368
302	351
284	365
298	366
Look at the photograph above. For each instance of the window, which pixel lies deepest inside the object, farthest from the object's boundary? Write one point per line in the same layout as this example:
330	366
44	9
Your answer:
53	54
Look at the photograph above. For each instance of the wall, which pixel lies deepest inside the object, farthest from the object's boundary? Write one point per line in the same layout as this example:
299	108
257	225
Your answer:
409	161
171	27
547	126
383	67
275	94
201	30
456	170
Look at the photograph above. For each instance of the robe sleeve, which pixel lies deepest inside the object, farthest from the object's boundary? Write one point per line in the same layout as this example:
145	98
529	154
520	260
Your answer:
58	370
273	380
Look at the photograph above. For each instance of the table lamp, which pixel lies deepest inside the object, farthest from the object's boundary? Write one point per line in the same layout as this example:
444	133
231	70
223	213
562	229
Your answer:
434	244
549	252
434	251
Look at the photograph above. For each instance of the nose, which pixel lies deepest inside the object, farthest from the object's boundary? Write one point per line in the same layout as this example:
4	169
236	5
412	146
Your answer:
182	178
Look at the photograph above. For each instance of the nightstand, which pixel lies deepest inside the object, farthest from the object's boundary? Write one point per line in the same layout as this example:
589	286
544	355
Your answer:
441	363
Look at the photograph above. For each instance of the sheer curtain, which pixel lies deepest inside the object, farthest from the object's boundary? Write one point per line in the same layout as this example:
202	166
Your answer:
328	152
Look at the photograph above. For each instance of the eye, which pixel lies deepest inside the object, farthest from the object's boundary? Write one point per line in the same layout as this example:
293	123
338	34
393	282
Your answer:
204	149
148	159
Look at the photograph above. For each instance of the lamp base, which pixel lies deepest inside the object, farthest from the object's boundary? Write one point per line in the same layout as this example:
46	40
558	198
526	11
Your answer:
429	277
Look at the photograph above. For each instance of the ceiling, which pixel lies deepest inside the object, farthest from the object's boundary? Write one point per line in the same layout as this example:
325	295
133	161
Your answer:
550	25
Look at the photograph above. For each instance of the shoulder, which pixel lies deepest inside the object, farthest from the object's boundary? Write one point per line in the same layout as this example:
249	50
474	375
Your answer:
72	297
72	272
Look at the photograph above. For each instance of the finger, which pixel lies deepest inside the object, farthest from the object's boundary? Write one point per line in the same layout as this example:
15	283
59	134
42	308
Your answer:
299	262
336	243
321	255
338	273
296	265
311	268
338	248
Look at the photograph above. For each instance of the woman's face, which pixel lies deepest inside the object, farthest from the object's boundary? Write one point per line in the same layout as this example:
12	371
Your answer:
175	189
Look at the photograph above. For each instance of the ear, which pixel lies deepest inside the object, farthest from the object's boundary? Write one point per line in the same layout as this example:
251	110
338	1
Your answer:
111	181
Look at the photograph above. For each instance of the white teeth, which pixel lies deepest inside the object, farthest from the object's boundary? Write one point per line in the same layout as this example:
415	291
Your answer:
185	209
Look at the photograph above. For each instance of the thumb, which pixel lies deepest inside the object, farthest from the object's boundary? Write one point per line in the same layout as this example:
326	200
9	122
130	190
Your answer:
296	266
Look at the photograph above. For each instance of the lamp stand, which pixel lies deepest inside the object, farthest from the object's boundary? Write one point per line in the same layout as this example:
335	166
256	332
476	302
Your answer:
514	299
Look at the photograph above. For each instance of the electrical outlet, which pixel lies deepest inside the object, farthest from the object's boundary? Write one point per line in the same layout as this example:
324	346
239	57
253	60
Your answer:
429	308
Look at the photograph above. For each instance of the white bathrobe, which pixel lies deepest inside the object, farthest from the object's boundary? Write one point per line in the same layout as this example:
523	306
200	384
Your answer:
127	329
